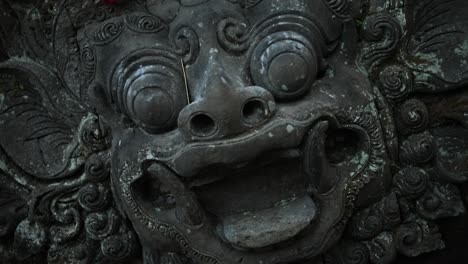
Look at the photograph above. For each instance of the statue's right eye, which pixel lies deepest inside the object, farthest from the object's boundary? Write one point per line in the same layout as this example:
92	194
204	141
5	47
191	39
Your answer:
151	104
286	64
150	90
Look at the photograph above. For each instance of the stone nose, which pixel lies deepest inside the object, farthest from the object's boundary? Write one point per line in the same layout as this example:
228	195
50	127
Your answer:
225	110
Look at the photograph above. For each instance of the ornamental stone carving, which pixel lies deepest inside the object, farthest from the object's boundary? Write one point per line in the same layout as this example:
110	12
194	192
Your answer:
231	131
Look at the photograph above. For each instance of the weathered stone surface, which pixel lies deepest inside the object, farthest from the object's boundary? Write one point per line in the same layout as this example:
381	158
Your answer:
231	131
273	225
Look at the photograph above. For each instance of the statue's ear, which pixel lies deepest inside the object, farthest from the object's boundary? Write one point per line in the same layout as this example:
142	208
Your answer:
436	44
38	119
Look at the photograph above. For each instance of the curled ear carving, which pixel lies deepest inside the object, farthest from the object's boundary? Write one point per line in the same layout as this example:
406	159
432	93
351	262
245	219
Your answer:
436	45
38	119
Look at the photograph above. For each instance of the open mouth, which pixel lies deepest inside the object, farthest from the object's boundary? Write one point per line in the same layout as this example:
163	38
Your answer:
250	206
263	203
270	203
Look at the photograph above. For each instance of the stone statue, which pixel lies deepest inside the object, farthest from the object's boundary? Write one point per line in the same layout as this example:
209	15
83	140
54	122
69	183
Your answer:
230	131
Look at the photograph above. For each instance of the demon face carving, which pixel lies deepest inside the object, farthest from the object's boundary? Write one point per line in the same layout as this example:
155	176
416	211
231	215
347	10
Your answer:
231	131
239	135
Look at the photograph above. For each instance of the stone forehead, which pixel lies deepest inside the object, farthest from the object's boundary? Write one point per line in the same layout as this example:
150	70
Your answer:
323	12
204	19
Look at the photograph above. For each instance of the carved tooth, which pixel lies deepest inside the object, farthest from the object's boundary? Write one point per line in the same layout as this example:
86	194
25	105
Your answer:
188	209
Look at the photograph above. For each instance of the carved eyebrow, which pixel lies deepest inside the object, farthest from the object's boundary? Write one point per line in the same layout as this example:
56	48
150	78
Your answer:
102	33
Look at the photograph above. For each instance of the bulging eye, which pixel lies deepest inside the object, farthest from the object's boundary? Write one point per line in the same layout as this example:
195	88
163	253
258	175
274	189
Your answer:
286	64
152	107
149	88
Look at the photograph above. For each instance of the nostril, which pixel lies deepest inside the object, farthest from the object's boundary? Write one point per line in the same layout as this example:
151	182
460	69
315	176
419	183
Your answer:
254	111
202	125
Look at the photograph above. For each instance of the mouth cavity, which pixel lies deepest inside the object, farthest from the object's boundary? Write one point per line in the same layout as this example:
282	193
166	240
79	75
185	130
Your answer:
259	205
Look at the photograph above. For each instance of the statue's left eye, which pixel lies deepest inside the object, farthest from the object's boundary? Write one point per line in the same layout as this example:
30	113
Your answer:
149	87
154	98
152	106
285	63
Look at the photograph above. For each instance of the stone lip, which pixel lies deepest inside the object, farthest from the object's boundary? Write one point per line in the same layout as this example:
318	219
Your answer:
270	226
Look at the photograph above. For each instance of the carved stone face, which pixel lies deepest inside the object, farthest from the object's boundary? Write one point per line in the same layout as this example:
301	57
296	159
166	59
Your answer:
230	131
240	133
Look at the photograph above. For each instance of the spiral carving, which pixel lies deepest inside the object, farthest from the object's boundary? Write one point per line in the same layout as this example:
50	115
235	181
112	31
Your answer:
95	168
429	205
233	35
70	223
108	31
417	237
119	246
370	222
408	237
410	182
187	44
144	23
366	225
95	134
87	62
356	253
382	248
93	197
396	82
101	225
237	36
444	200
383	33
418	148
414	116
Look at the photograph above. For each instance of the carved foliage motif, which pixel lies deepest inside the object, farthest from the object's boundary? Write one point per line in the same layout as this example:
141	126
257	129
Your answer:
71	216
76	222
382	33
405	222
